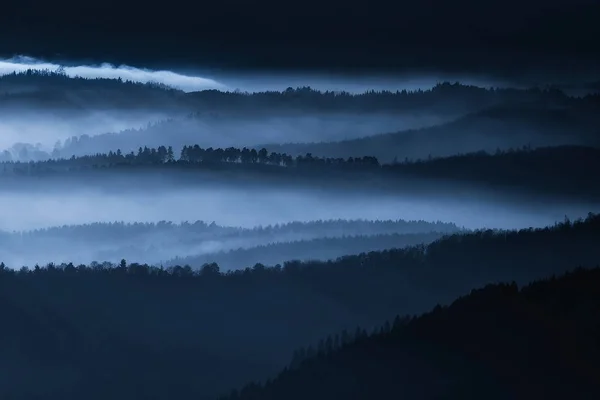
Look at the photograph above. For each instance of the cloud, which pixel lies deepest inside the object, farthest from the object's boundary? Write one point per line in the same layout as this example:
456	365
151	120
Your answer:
105	70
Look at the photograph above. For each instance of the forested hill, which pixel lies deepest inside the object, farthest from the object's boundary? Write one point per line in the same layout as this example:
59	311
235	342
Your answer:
42	80
562	171
500	127
134	331
443	97
122	230
55	89
42	89
323	248
498	342
154	243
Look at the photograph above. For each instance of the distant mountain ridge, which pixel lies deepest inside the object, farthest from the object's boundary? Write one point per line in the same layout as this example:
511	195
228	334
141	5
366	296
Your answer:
499	127
202	242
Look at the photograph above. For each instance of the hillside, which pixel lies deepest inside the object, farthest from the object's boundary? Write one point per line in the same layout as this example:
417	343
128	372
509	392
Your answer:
55	89
322	248
500	127
562	172
40	89
157	242
498	342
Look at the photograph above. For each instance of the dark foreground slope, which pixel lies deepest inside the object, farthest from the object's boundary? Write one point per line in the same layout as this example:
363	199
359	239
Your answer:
136	332
499	342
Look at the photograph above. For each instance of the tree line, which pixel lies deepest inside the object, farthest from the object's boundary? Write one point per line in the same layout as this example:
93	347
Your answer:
100	231
58	79
320	248
189	155
194	154
562	171
442	97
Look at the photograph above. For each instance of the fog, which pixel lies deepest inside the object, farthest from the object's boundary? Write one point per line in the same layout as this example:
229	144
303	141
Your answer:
200	243
225	132
488	130
247	208
46	127
22	210
42	125
46	130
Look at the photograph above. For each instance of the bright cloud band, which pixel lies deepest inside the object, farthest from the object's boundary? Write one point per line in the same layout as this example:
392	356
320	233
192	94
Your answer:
169	78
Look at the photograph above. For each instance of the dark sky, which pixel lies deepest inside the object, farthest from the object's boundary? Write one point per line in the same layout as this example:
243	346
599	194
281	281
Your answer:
508	36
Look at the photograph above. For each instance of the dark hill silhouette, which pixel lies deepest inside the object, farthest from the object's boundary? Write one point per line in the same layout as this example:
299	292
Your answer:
132	331
500	127
563	171
44	88
498	342
323	248
443	98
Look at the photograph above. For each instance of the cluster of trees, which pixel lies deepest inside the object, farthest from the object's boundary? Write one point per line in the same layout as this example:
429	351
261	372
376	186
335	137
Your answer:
58	79
134	330
498	342
540	158
196	154
189	154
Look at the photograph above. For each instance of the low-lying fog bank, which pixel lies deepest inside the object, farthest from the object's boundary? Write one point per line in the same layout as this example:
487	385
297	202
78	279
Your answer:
231	248
24	210
42	129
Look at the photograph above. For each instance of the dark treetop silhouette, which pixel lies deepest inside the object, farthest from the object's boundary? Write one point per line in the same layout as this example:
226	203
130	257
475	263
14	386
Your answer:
52	89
